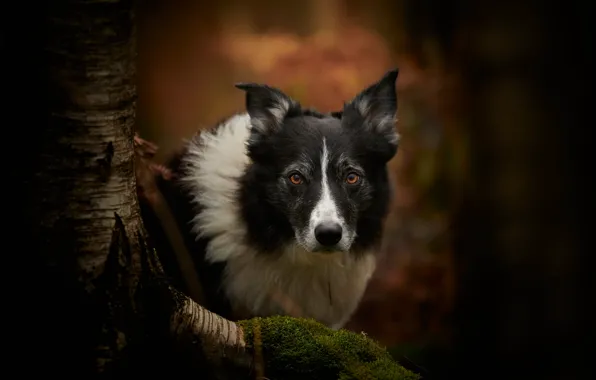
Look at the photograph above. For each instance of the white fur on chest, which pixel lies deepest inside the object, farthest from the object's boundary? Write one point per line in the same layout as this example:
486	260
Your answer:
326	287
300	284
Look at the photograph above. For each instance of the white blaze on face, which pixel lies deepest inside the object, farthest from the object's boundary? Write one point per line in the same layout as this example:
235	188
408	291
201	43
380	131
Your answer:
325	210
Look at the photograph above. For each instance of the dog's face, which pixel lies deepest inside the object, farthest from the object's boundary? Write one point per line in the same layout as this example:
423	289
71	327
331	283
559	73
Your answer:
319	180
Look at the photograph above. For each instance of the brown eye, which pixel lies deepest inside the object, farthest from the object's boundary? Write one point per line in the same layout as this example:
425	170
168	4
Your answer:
352	178
296	179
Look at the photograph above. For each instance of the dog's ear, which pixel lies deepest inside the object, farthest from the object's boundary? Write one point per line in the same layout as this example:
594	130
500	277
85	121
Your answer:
375	108
267	107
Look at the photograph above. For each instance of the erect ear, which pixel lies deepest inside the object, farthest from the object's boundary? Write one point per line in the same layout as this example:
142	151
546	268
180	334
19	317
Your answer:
375	108
266	106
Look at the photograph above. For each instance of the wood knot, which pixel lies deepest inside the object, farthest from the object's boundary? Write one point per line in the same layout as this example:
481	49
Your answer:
105	163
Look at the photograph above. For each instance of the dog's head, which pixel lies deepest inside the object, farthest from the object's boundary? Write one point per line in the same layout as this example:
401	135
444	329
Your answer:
319	180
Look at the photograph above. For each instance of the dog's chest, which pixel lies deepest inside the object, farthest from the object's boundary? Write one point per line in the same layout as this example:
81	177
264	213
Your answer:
327	289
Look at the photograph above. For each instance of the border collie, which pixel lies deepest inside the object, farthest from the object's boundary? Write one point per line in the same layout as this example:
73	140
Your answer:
282	207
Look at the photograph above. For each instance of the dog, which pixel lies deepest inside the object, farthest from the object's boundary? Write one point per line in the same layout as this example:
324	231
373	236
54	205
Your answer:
282	207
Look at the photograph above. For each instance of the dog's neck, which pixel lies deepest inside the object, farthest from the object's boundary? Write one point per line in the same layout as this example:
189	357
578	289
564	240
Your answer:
326	287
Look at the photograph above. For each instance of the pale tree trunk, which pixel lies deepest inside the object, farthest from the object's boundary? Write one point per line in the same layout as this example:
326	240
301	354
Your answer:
98	293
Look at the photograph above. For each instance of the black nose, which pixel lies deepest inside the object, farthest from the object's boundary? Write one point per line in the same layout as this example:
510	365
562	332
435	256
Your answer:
328	233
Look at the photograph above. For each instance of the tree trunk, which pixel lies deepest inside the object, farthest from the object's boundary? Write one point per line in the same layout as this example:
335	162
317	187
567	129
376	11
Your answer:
81	181
81	212
86	204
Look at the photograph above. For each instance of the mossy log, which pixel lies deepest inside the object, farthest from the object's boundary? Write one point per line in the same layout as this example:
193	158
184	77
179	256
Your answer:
294	348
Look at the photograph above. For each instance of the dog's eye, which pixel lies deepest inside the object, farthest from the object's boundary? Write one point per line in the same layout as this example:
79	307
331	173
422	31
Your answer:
296	179
352	179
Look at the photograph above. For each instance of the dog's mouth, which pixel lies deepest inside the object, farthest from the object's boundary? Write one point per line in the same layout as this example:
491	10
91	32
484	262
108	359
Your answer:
326	250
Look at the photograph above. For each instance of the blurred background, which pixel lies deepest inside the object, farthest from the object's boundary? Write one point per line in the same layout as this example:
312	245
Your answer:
482	173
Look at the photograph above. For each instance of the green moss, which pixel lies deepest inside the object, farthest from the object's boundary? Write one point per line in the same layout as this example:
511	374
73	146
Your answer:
305	349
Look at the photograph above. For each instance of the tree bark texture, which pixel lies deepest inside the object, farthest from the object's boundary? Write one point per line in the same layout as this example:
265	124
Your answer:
83	196
102	303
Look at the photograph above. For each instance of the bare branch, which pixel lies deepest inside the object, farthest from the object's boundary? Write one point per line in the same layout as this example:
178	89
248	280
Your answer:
148	189
194	320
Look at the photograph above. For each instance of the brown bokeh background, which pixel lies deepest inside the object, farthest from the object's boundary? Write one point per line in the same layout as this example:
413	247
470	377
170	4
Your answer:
476	80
